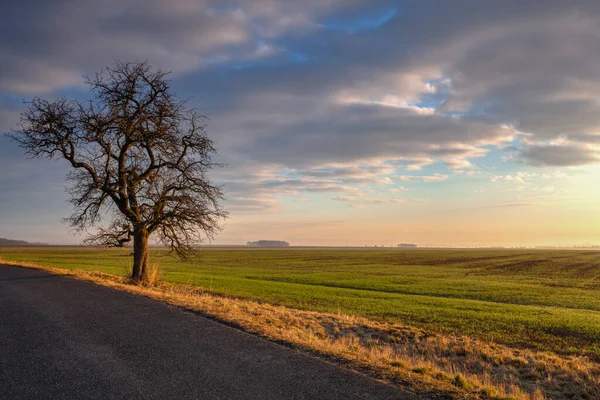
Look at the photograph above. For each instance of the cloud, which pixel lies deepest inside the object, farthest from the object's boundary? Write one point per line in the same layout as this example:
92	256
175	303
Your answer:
434	178
507	206
346	199
347	172
361	201
425	178
511	205
533	68
301	185
50	44
362	133
560	155
251	204
517	178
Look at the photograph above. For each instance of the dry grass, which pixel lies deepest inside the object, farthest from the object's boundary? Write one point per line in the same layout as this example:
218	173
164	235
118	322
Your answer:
456	367
154	279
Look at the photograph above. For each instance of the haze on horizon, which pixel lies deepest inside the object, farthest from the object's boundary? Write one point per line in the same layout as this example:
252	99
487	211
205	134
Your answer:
461	123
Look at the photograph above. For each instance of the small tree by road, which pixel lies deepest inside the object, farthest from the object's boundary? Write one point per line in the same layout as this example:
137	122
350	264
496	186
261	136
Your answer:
139	158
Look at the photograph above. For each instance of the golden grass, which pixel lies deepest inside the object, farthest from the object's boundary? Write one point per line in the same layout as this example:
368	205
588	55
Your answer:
451	366
155	276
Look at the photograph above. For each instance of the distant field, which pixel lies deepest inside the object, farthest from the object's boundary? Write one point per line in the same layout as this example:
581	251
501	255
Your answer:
538	299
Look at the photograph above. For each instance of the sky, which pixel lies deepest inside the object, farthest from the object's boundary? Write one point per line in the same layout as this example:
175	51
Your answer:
340	122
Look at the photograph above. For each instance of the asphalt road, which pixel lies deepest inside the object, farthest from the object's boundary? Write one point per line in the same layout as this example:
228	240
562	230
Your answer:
61	338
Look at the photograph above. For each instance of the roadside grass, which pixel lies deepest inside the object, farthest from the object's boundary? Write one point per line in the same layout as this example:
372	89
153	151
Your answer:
434	364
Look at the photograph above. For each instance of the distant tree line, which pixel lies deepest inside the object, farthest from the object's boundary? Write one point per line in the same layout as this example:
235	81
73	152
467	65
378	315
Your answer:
268	243
11	242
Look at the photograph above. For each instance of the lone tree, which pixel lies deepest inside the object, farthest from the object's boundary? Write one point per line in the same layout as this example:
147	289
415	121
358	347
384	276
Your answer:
139	156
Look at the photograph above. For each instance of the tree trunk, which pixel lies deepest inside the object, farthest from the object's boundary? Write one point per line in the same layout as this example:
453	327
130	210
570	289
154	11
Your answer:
140	256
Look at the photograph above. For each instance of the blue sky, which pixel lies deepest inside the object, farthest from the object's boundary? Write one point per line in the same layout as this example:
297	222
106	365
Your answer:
461	123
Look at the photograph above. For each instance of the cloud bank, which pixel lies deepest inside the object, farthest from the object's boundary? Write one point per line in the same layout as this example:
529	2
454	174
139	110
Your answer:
337	97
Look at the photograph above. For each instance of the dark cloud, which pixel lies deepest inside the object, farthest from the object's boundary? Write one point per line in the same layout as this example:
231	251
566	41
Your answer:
48	45
352	133
560	155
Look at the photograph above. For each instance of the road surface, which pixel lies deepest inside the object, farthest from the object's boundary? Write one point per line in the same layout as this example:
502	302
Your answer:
61	338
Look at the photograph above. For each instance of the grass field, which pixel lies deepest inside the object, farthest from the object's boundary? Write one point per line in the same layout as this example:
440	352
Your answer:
548	300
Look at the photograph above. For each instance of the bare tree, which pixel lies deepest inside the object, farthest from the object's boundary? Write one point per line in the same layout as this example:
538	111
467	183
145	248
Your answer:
139	156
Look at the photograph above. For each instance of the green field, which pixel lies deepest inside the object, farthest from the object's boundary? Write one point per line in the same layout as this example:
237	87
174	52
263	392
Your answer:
539	299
